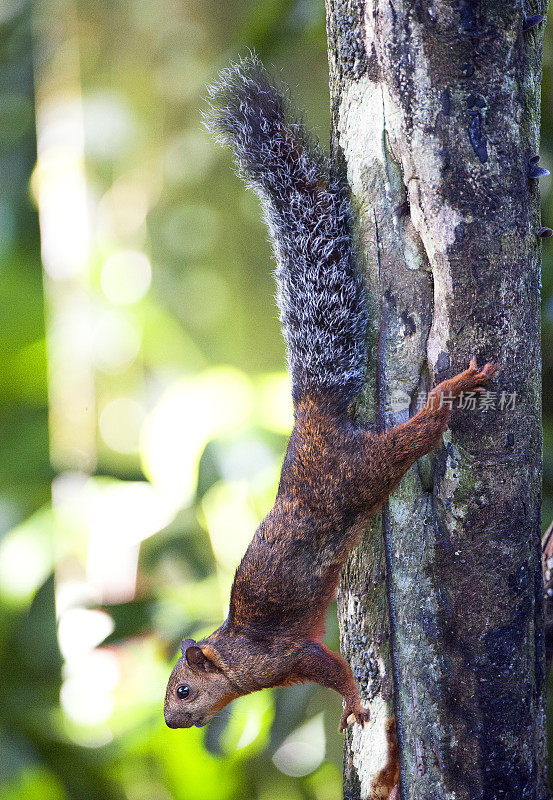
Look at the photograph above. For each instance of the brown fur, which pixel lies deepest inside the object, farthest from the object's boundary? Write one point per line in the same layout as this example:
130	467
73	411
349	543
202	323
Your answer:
335	475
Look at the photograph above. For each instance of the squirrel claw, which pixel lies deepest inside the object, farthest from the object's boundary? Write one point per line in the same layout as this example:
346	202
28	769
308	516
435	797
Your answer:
470	380
487	372
352	714
489	369
474	375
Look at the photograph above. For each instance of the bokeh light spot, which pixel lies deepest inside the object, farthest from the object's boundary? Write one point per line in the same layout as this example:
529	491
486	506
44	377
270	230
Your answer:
121	422
303	751
190	414
231	521
108	125
121	213
87	693
80	630
274	409
126	277
116	341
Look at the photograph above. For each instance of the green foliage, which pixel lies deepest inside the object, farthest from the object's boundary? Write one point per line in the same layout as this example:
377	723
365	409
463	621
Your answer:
161	370
114	547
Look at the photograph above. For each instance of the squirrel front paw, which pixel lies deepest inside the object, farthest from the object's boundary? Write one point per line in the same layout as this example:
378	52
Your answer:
470	380
476	376
353	712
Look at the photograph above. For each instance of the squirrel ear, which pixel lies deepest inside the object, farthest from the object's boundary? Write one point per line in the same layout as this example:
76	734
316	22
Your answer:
196	659
185	644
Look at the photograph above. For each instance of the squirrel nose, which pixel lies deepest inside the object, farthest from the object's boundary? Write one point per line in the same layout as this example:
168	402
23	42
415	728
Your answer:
176	719
170	719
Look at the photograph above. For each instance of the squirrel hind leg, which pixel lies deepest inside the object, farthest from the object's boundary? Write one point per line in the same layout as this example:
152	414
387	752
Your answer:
471	379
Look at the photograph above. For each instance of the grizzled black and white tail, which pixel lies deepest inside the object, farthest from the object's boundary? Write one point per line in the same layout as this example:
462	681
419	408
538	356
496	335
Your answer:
319	292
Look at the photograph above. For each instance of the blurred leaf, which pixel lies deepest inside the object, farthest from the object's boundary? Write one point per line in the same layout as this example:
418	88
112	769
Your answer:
130	619
26	557
262	25
17	754
32	657
34	784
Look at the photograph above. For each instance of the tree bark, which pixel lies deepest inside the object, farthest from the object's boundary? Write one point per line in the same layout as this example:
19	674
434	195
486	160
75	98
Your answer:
435	111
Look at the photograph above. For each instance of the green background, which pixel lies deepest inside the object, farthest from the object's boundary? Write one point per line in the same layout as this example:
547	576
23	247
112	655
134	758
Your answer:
143	397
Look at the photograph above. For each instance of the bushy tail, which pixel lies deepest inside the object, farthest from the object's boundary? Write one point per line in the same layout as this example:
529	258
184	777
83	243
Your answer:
319	292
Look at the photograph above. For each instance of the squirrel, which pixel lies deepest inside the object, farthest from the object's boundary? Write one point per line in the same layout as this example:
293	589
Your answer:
336	473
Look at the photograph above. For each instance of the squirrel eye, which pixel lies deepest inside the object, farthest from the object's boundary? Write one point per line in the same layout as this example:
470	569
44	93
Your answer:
183	691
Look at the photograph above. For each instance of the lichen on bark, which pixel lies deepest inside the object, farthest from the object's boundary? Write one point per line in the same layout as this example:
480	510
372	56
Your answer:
435	132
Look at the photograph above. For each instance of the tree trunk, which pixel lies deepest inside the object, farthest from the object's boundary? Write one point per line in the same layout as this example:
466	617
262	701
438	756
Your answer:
435	117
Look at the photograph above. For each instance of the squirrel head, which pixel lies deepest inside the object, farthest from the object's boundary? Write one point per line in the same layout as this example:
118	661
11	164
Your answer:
198	687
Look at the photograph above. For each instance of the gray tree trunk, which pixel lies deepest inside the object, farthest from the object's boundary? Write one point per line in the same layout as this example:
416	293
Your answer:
435	117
